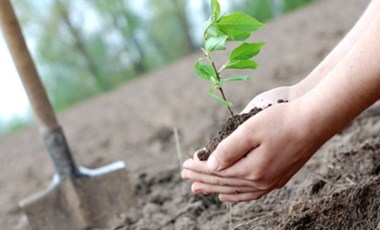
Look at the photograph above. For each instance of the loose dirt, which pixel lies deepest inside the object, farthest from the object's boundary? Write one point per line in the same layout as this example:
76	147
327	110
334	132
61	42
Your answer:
224	131
337	189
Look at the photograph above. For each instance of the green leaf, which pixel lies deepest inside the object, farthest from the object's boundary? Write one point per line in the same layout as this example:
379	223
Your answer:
236	78
207	25
238	26
242	64
241	22
216	43
246	51
215	10
205	71
219	99
238	36
212	30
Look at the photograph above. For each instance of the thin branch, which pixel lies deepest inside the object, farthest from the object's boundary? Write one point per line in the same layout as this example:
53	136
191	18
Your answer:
218	78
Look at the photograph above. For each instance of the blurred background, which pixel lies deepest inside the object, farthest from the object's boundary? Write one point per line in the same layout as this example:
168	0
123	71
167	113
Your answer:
85	48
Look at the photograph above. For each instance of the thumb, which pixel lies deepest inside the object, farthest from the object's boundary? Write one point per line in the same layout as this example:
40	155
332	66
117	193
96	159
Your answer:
232	148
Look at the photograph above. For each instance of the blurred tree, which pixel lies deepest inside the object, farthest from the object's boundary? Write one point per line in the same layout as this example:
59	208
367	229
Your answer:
180	7
168	28
80	44
68	70
126	22
76	62
260	9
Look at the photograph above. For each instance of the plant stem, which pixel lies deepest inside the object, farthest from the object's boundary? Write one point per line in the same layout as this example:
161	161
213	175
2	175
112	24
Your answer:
218	78
224	98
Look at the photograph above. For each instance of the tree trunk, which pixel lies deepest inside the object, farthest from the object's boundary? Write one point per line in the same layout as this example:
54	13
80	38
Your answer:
80	45
181	13
139	65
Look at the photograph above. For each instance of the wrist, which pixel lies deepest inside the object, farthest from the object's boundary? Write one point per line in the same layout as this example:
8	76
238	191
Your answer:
319	121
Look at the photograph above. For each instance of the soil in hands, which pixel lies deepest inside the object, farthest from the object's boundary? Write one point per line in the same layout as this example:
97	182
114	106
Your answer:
226	129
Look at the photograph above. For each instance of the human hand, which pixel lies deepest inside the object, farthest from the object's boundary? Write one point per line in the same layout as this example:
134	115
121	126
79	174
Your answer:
260	156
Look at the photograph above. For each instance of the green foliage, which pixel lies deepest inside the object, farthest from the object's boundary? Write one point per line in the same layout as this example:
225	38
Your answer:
260	9
242	64
290	5
219	99
246	51
216	43
168	29
238	25
236	78
205	71
219	30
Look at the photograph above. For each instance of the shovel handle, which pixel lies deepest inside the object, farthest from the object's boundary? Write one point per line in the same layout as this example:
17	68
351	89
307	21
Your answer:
52	134
42	108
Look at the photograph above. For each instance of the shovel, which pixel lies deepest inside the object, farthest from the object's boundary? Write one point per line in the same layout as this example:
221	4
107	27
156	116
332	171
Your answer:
78	198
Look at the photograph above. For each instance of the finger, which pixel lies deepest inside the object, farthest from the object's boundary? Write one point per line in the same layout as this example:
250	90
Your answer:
214	179
197	165
242	197
238	170
234	147
247	166
199	187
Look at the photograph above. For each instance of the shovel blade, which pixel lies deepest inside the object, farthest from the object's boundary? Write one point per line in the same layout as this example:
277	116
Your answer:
95	200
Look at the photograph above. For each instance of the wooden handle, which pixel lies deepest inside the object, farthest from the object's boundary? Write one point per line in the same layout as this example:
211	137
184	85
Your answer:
42	108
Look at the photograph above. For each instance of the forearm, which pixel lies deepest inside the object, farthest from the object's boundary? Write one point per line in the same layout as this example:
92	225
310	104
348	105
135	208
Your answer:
338	53
352	86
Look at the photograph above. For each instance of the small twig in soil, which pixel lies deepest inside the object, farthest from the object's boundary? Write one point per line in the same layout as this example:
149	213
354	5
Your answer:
178	147
350	181
229	206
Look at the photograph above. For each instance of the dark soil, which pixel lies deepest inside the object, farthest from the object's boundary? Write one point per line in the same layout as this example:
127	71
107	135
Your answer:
225	130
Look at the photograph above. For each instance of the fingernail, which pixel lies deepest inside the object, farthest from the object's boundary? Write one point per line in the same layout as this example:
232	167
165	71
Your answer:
212	163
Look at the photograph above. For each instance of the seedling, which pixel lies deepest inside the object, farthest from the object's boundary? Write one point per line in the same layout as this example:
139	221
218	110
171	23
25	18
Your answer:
218	30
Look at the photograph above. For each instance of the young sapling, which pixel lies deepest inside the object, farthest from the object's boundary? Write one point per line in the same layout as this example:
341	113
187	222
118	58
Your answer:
218	31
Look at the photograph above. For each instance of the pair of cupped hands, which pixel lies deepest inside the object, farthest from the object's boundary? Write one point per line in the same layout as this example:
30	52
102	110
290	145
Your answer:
261	155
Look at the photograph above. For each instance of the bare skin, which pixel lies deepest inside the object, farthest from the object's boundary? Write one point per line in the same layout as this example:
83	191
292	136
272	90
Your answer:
268	149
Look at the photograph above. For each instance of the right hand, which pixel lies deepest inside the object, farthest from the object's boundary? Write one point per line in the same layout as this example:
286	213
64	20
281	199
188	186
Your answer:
260	156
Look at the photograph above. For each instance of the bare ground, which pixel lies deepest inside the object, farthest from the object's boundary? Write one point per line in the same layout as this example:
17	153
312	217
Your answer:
338	188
